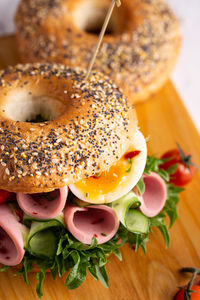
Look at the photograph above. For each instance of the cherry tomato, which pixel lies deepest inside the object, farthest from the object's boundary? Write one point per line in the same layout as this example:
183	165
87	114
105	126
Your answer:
185	168
4	195
193	296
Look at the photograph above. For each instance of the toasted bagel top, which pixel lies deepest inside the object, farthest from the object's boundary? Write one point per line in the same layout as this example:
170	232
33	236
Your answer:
91	126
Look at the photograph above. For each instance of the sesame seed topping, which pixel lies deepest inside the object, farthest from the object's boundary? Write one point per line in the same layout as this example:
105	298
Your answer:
64	150
7	171
126	57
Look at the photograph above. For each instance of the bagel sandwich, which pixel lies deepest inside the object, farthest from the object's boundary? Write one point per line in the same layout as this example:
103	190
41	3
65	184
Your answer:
72	164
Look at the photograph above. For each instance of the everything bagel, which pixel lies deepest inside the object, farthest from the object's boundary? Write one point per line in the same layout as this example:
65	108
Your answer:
139	50
88	126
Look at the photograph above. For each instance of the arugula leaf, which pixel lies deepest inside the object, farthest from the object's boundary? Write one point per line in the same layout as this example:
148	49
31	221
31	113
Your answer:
163	174
54	270
118	254
78	273
141	241
135	240
141	186
27	267
40	279
152	164
44	265
172	169
60	245
165	233
171	202
102	275
60	266
158	221
93	272
4	268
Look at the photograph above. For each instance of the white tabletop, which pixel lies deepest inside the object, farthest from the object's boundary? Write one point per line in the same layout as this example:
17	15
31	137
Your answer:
187	71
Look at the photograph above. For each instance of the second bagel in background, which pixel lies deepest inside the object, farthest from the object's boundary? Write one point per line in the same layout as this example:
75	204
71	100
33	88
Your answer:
139	49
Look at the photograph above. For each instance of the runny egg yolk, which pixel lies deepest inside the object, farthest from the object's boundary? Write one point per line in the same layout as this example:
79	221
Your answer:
118	180
109	181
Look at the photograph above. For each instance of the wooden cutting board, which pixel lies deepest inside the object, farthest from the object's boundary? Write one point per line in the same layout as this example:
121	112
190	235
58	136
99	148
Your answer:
138	277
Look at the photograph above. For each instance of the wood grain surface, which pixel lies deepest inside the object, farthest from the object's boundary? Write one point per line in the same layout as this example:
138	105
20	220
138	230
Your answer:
138	277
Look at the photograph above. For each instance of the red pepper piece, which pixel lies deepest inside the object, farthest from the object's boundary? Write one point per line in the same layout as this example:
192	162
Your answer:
132	154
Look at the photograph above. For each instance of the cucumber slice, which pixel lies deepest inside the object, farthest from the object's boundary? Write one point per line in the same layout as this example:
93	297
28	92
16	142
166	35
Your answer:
43	243
132	219
27	220
123	204
136	221
79	202
42	238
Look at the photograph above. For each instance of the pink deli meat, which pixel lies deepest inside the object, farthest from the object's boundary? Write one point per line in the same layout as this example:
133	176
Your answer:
154	197
11	238
45	205
99	221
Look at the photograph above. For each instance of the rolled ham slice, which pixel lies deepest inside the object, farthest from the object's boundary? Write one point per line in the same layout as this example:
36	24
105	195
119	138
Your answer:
43	206
84	223
11	237
155	195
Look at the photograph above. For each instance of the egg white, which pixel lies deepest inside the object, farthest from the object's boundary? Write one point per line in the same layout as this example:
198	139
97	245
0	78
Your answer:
127	182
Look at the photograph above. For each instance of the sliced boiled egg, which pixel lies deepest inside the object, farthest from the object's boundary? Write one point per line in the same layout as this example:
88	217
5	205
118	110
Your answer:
118	180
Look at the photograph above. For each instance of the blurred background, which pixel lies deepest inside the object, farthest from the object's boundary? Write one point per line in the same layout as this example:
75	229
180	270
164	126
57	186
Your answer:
186	75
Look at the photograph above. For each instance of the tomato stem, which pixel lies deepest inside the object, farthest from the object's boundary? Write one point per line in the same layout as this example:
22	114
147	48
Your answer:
190	270
188	290
186	159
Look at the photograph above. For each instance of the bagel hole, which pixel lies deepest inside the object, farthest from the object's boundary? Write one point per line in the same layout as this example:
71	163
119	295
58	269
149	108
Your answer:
38	119
95	27
91	21
33	109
